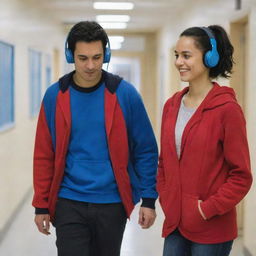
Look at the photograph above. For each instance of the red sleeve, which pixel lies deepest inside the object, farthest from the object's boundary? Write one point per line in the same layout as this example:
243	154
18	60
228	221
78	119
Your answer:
236	154
43	165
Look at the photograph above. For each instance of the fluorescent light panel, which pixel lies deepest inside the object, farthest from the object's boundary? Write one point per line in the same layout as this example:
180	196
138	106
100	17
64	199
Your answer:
113	25
113	18
118	39
113	5
116	42
115	46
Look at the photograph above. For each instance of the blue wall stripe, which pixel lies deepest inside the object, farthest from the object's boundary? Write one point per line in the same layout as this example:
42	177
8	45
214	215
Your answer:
6	85
35	75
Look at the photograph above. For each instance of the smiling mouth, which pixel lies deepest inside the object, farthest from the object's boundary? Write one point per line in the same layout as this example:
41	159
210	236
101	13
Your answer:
183	72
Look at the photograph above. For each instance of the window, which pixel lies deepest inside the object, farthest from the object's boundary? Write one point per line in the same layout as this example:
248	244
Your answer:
35	81
6	86
48	71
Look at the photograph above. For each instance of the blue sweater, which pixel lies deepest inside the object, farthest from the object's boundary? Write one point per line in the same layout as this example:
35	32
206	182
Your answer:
88	174
143	153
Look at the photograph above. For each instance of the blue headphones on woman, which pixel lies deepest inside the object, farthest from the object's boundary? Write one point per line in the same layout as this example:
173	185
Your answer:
211	57
70	57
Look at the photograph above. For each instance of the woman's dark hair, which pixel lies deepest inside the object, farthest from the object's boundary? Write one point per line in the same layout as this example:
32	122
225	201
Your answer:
86	31
224	47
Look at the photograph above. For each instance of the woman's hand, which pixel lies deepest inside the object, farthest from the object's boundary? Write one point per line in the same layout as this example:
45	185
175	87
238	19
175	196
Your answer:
200	210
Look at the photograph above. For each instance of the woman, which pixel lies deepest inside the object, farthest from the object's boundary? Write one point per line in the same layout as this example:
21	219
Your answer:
204	165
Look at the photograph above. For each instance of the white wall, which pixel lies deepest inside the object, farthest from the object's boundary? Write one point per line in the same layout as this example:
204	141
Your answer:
250	203
23	26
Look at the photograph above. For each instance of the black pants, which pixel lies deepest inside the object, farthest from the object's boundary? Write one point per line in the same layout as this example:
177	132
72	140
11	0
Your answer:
87	229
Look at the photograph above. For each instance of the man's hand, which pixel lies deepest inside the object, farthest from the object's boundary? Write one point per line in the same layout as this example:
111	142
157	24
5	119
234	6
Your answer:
147	217
43	223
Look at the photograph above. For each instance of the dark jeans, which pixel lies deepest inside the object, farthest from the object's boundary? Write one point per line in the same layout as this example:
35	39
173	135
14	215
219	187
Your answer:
176	245
87	229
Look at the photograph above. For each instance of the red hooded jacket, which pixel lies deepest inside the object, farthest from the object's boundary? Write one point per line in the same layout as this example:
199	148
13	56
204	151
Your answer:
214	167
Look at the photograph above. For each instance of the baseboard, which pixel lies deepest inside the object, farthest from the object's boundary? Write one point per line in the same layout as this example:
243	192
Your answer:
8	223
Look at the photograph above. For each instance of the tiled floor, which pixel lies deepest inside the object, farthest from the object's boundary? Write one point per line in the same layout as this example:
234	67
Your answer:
23	239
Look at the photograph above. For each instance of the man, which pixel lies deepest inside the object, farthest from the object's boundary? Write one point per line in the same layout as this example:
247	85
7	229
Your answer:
95	152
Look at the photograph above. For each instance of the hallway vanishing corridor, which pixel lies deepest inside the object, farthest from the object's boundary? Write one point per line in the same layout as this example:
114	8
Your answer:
33	43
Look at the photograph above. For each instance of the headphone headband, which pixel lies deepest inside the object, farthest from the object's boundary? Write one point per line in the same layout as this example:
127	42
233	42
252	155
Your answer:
208	32
211	57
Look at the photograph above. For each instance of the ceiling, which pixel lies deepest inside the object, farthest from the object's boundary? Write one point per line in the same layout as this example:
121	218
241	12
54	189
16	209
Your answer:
147	15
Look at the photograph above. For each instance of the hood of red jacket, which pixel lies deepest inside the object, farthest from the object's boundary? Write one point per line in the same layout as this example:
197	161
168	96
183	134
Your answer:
217	96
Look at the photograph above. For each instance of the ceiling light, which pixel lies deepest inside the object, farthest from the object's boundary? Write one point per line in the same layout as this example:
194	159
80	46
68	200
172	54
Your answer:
113	5
113	25
113	39
112	18
115	46
116	42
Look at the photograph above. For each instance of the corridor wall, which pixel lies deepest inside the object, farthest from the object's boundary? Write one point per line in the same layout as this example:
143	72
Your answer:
24	27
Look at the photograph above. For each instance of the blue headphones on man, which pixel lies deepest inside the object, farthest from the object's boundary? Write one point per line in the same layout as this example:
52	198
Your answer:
211	57
70	57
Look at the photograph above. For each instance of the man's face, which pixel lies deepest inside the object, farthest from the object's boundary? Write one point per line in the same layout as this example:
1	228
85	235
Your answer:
88	63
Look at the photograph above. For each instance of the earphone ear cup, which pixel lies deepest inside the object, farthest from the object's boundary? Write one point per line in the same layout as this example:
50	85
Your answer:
69	55
107	55
211	58
207	57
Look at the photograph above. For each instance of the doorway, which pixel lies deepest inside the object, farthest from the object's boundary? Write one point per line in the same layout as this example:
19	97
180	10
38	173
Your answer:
239	39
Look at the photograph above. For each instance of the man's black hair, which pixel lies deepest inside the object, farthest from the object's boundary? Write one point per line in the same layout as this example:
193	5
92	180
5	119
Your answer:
86	31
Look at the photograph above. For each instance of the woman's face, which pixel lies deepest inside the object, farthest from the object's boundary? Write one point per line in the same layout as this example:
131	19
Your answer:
189	60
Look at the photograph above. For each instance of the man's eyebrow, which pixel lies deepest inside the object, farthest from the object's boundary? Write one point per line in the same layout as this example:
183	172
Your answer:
82	55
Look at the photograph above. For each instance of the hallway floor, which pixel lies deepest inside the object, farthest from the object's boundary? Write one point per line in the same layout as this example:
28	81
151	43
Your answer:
22	239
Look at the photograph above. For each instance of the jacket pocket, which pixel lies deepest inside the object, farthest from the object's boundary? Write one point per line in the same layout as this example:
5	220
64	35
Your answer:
191	219
90	176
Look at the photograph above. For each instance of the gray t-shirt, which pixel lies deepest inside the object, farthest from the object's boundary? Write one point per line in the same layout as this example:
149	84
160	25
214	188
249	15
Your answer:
184	115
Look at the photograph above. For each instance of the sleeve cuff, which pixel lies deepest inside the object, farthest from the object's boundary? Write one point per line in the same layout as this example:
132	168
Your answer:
41	211
148	203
